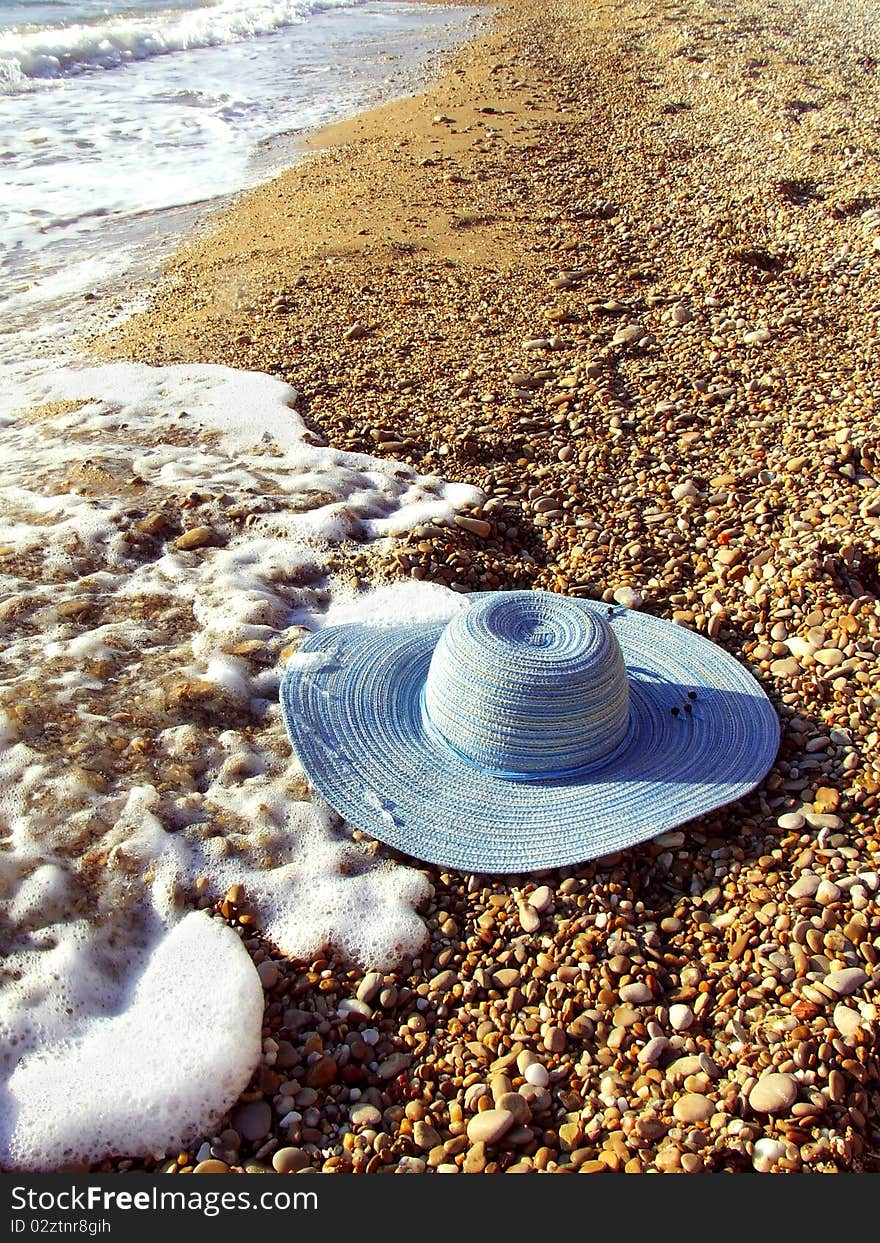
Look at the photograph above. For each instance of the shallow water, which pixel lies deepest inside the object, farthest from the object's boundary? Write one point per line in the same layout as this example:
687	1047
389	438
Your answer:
111	123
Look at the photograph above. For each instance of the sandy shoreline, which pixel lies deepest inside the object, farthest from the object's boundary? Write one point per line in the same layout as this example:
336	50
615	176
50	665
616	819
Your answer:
619	268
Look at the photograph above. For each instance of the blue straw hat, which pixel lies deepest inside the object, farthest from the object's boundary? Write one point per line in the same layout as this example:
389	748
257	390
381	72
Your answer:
530	731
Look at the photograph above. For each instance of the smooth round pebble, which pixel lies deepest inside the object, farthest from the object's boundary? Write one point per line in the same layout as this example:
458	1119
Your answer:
693	1108
489	1126
773	1093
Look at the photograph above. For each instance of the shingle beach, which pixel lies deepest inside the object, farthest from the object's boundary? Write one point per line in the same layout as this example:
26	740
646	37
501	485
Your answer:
618	271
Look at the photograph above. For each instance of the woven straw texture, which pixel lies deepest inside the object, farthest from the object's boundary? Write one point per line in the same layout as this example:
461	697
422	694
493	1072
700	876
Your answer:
531	731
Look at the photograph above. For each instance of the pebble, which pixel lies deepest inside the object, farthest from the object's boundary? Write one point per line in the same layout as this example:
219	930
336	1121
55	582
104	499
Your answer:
476	526
555	1040
805	886
692	1108
636	994
541	898
846	1020
653	1051
773	1093
628	597
827	893
365	1114
766	1153
426	1136
211	1167
489	1126
268	973
680	1017
322	1072
394	1065
290	1160
846	981
369	986
196	537
537	1075
253	1121
529	919
630	334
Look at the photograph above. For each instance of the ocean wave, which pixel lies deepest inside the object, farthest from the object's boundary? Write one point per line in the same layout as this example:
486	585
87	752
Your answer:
61	51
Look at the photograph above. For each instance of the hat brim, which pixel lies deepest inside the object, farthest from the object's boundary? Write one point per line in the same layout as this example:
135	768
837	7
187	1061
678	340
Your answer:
351	703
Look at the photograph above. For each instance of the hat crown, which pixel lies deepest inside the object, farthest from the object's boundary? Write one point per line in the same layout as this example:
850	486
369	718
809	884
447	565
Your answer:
528	683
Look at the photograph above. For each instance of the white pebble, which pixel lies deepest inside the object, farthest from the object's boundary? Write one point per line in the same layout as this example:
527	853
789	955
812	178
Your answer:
537	1075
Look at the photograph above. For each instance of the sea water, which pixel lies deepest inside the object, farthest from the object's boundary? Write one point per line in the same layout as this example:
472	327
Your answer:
144	765
116	115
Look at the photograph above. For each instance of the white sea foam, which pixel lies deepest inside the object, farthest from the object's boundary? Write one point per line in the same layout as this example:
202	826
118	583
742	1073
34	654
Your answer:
56	51
142	753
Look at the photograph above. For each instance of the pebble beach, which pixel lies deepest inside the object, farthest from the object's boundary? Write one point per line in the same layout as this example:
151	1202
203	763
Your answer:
598	312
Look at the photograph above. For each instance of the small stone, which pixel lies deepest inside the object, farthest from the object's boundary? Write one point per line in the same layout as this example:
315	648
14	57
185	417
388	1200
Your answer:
637	993
541	898
805	886
827	892
773	1093
570	1136
321	1073
289	1160
394	1065
442	982
475	1159
196	537
846	1021
791	820
426	1136
788	667
692	1108
369	986
630	334
555	1040
826	799
628	597
682	490
846	981
653	1051
766	1153
518	1106
211	1167
489	1126
253	1121
680	1017
829	656
529	919
365	1114
537	1075
476	526
268	973
669	841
